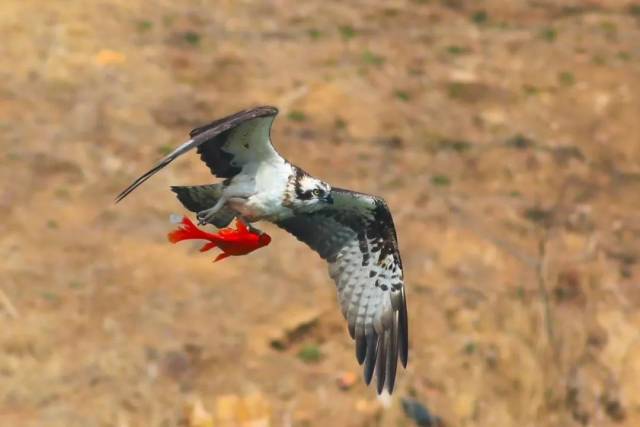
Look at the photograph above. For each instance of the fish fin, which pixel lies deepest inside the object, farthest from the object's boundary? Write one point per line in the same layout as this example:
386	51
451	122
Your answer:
221	257
241	226
208	246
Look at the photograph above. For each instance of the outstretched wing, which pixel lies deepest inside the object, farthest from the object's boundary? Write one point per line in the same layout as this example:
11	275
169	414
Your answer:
356	236
225	145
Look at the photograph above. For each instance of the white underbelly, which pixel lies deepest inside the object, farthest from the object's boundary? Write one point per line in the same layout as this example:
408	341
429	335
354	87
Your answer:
257	193
258	207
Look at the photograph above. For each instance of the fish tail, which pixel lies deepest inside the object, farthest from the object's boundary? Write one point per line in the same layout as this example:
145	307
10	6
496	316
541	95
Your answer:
177	235
188	230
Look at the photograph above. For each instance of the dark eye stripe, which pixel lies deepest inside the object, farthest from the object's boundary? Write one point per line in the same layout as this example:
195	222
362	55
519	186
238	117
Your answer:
305	195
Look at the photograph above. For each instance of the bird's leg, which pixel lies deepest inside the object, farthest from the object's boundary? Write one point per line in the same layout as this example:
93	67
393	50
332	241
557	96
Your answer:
206	215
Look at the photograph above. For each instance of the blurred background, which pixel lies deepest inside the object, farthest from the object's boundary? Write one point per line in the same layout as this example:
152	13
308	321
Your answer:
505	135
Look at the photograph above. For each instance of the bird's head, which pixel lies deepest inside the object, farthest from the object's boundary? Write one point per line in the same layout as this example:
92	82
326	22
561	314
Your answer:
310	193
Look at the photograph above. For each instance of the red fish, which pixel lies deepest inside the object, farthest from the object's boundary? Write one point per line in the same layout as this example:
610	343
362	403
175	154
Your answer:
238	241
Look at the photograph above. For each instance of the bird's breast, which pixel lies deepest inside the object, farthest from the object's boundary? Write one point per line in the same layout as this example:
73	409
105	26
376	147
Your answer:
266	200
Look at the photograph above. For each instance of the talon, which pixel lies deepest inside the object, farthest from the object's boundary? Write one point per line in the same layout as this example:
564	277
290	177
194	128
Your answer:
204	216
208	214
202	219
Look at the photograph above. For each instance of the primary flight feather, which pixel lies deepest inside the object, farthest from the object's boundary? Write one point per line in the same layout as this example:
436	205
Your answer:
352	231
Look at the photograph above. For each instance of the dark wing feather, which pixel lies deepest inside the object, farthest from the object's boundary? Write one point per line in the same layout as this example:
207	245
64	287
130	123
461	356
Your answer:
197	198
225	145
357	237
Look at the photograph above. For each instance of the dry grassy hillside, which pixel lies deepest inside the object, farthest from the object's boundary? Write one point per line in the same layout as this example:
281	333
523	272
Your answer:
505	136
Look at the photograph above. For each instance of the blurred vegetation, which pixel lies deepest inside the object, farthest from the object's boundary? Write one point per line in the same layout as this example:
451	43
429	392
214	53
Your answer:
503	135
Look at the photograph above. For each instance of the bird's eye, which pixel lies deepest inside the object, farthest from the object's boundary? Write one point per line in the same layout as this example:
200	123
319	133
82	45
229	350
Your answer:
316	192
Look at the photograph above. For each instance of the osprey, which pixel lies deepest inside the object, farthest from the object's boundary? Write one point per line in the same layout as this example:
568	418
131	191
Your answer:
352	231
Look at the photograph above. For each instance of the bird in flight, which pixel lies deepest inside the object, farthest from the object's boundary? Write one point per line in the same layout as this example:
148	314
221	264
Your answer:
352	231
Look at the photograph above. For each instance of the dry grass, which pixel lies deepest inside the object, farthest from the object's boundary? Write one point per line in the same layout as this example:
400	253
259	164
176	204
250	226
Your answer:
504	135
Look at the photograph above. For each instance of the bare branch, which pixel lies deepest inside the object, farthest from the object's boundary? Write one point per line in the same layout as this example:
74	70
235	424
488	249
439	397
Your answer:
8	305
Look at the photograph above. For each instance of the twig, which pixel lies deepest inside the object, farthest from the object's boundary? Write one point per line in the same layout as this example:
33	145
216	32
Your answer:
542	288
288	99
537	265
503	244
8	305
544	298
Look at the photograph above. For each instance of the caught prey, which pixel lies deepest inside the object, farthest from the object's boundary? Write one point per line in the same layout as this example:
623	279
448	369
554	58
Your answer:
232	242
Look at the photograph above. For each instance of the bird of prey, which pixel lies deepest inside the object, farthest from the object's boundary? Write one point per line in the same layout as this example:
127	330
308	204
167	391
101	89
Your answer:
353	232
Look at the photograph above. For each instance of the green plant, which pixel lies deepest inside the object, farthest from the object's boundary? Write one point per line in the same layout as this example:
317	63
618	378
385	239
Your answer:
144	25
402	95
310	353
314	33
480	17
457	50
372	58
297	116
191	37
347	32
440	180
549	34
566	78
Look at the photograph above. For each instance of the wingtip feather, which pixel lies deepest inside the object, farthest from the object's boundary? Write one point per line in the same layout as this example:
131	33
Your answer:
381	361
361	349
392	357
370	358
403	326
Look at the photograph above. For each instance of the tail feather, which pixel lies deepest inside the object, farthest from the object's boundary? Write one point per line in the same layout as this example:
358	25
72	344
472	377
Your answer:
198	197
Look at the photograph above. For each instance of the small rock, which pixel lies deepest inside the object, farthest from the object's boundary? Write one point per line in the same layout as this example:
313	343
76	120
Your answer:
226	407
110	57
197	415
368	407
419	413
292	328
249	411
346	380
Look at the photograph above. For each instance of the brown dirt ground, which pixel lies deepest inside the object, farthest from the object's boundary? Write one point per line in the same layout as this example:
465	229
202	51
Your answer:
505	136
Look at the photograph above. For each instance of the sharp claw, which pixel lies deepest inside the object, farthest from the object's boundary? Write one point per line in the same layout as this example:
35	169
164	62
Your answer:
202	218
205	215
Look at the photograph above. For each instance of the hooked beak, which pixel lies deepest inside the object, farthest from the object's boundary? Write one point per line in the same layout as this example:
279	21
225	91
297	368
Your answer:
329	199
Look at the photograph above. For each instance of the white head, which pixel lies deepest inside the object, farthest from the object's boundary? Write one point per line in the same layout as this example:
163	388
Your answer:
309	193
